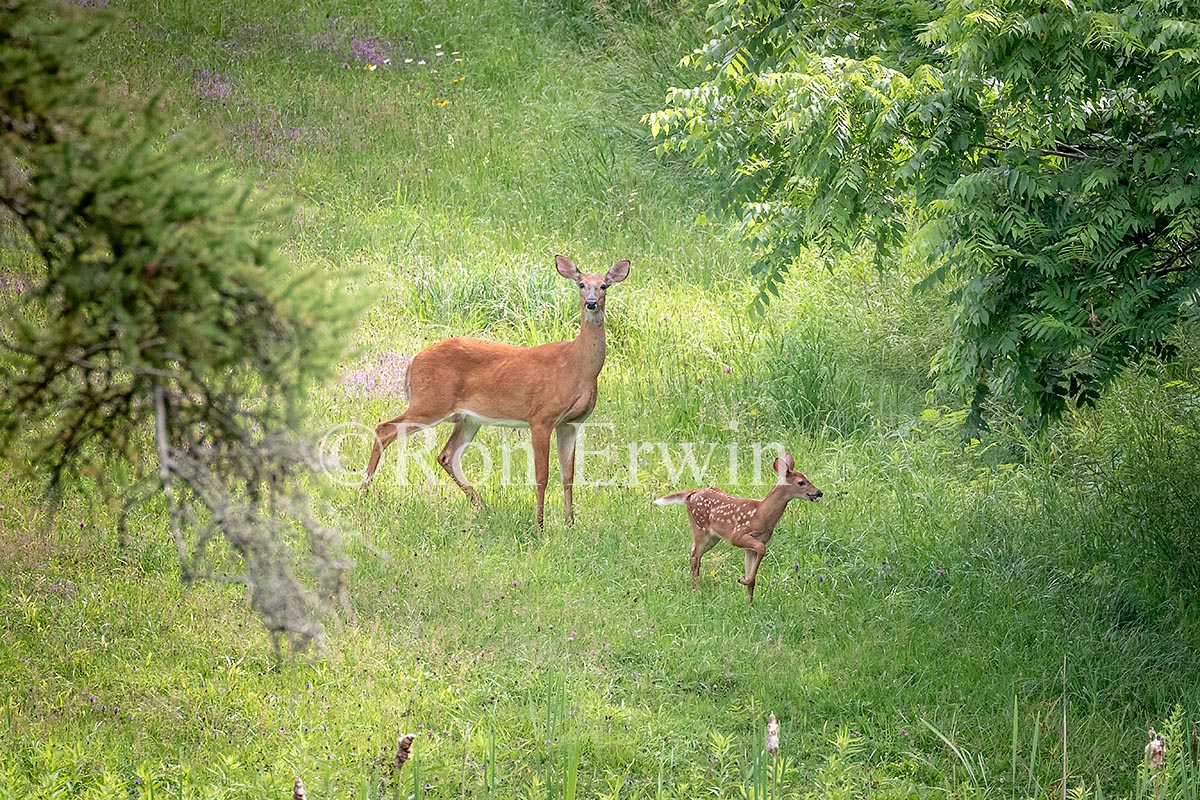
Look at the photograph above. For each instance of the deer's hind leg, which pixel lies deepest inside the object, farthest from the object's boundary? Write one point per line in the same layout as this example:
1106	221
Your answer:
702	541
388	431
451	456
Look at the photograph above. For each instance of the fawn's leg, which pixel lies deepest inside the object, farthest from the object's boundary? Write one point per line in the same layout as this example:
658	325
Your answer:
755	550
702	542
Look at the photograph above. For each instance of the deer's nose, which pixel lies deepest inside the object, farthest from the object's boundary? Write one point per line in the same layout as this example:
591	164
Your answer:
820	493
591	305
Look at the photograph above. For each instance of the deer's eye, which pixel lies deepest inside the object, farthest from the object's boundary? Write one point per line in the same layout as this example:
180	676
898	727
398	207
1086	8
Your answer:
581	286
603	286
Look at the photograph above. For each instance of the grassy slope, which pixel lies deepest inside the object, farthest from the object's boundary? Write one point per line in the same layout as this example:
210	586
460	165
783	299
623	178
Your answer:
930	584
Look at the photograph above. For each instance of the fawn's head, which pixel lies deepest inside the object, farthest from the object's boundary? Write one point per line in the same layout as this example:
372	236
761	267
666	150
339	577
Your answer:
591	285
794	483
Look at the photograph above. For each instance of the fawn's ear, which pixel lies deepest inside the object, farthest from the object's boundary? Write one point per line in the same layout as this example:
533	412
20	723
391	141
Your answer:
566	268
618	272
784	465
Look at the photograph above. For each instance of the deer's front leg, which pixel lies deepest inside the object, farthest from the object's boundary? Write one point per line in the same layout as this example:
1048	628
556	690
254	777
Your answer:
540	434
565	435
755	550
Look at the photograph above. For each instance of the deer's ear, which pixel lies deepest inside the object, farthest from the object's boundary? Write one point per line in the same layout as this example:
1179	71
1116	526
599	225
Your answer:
566	268
784	465
618	272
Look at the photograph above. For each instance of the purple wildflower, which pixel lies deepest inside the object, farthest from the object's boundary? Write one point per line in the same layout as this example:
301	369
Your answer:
213	85
381	375
371	51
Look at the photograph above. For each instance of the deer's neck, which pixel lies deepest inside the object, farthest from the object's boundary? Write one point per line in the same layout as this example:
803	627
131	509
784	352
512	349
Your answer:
771	507
590	343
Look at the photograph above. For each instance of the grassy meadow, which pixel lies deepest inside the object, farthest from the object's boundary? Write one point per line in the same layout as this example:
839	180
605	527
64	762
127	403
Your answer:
944	622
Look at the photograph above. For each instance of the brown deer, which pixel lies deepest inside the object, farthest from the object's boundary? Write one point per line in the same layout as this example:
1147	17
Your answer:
742	522
471	383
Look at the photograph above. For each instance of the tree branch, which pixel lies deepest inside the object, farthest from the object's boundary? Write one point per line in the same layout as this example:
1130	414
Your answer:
165	469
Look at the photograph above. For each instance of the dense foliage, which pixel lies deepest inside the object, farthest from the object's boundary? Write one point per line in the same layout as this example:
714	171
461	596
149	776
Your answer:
154	311
1042	158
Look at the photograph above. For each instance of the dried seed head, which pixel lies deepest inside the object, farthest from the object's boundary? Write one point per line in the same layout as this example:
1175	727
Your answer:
1156	750
403	749
298	791
772	736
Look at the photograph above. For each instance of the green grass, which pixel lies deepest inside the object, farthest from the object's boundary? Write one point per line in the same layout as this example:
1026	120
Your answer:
909	631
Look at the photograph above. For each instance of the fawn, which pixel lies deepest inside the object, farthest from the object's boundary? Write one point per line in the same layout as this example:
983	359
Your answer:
741	521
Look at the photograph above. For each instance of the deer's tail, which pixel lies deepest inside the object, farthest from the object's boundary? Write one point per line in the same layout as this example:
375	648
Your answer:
674	498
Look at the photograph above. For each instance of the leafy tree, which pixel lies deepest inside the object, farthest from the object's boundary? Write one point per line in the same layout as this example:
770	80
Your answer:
157	319
1043	158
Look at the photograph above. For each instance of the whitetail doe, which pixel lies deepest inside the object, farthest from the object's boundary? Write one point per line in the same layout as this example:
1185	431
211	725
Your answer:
471	382
742	522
